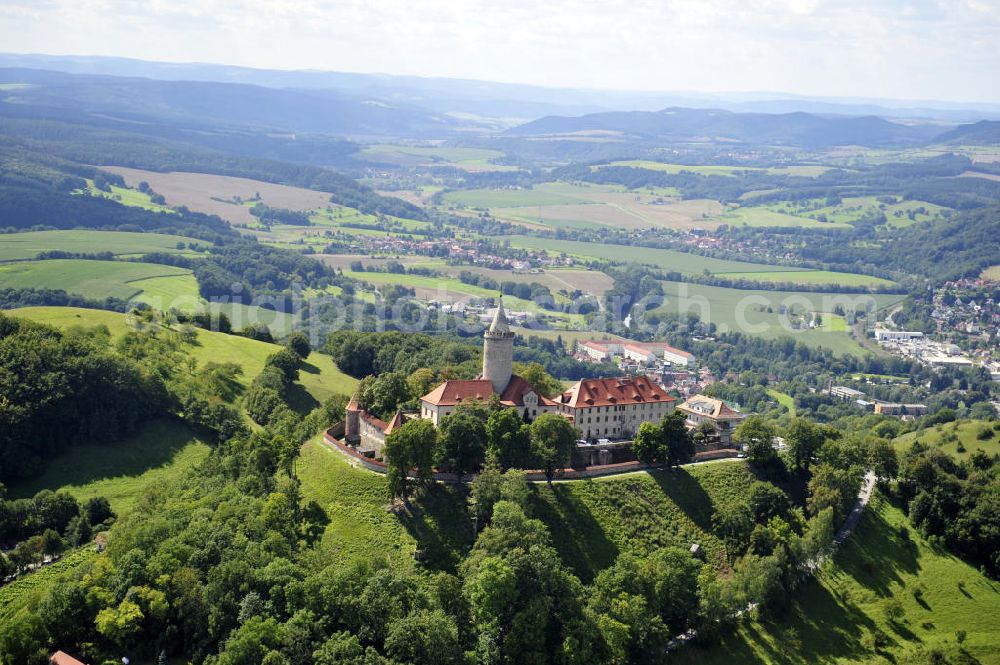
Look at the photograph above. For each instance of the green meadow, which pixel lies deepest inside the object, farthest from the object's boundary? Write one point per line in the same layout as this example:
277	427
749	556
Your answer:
319	377
958	439
162	451
95	279
21	246
744	216
128	197
759	312
361	526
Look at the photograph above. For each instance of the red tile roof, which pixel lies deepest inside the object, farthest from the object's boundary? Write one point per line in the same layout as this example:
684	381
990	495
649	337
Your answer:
513	394
709	406
451	393
608	392
396	422
63	658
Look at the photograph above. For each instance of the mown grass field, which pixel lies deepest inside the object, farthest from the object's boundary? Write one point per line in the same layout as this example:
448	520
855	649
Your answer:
161	451
949	437
21	246
362	527
746	311
594	520
95	279
320	378
831	620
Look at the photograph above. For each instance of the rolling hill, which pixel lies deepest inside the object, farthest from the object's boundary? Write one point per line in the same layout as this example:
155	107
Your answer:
685	124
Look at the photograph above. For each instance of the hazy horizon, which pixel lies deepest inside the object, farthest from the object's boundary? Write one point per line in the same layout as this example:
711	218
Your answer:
907	51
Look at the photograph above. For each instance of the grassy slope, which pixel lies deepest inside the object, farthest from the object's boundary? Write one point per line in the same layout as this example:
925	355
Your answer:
319	376
361	526
92	279
829	620
20	246
965	430
596	519
162	450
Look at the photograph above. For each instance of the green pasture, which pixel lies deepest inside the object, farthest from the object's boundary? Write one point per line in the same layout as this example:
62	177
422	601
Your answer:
94	279
958	439
759	312
161	451
361	526
127	197
763	217
27	245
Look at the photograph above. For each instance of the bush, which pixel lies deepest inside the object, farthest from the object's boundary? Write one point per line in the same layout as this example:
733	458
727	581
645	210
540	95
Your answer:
984	433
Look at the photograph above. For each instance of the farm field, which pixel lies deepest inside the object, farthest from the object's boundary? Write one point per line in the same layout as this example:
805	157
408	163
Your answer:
362	529
692	264
27	245
161	451
27	590
567	336
739	310
319	376
832	619
813	277
852	209
96	279
948	437
587	205
992	273
467	159
597	519
222	195
744	216
800	170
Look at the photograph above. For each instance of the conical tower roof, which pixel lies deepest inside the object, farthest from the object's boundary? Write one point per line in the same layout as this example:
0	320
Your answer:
499	327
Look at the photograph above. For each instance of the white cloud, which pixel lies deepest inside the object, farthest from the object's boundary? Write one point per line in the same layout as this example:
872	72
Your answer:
894	48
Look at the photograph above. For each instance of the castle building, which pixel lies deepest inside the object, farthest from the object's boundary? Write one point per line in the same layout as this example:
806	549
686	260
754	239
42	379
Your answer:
497	378
599	408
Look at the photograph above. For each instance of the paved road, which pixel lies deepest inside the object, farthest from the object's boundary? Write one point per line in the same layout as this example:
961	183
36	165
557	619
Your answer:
864	496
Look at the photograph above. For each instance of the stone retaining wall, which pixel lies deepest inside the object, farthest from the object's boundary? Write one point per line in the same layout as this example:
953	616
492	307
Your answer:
596	471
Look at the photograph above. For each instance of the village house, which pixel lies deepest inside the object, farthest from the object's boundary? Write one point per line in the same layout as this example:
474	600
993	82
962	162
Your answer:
701	409
644	352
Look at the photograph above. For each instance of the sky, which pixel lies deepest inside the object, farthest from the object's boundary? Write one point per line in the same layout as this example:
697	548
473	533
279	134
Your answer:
919	49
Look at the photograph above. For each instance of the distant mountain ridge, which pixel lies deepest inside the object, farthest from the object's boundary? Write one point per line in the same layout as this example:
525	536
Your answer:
501	100
984	132
685	125
201	103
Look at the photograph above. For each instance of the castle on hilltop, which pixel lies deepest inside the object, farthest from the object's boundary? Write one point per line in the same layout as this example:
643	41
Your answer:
599	408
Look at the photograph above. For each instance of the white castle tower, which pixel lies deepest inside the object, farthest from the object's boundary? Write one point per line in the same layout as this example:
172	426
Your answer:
498	350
